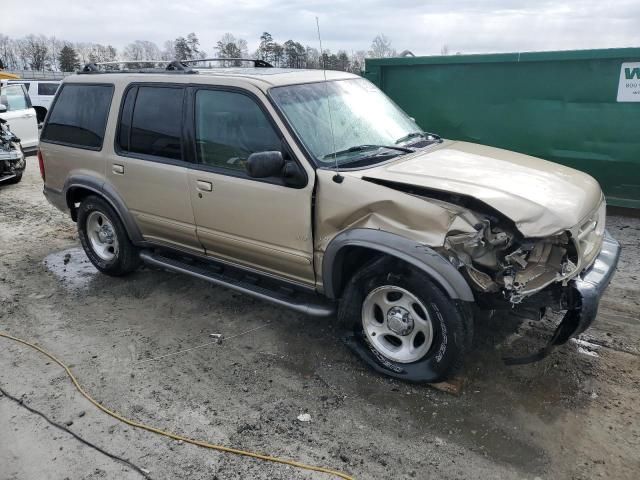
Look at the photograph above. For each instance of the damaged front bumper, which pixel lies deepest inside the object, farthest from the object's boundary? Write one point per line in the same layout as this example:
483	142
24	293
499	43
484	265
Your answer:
12	164
583	297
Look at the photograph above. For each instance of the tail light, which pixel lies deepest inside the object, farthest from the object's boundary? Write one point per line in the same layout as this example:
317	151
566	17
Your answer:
41	164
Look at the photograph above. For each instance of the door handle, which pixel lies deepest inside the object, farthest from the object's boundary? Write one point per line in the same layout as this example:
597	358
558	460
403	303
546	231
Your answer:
204	186
117	169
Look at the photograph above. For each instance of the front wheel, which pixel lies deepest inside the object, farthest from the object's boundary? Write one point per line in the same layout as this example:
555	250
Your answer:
400	323
104	239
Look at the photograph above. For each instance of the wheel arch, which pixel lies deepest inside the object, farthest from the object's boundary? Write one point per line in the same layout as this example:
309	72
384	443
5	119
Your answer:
422	257
78	187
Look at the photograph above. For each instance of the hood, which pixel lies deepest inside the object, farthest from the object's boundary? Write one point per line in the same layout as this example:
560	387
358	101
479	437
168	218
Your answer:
542	198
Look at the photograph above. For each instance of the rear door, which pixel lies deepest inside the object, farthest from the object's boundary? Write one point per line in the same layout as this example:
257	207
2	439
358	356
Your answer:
21	117
259	223
148	167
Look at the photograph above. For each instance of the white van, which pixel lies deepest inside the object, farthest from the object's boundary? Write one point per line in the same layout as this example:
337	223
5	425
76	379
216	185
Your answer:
16	108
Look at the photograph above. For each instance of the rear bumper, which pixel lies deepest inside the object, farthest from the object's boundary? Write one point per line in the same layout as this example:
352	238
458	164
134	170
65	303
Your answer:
56	198
582	297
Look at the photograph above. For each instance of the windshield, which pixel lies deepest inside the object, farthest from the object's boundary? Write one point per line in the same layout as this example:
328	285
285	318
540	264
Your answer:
361	115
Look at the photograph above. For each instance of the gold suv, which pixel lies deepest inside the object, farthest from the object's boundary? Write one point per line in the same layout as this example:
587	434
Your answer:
314	191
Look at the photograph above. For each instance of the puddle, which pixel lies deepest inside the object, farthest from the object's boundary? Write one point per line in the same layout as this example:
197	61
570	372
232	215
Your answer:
71	267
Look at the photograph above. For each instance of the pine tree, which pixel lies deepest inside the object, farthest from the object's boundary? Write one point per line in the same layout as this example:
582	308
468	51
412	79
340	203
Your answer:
68	59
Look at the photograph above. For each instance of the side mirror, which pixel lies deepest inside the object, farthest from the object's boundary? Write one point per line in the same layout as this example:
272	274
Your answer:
265	164
3	108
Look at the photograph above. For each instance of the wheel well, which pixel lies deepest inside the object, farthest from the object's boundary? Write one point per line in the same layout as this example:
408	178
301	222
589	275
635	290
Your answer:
75	195
349	260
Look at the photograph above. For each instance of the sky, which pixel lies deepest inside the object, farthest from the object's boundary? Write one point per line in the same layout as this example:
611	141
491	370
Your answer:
422	26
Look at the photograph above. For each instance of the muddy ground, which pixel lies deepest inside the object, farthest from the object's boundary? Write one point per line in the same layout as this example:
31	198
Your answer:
574	415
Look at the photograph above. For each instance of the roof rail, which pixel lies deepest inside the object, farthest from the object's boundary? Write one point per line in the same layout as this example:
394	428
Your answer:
172	66
256	62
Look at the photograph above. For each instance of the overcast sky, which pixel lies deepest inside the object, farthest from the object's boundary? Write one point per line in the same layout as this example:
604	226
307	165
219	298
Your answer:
422	26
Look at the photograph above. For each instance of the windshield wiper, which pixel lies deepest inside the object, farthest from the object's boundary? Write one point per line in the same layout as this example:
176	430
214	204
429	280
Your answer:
430	136
365	147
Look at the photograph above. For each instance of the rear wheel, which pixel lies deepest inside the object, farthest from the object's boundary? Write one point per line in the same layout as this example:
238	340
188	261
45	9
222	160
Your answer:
400	323
104	238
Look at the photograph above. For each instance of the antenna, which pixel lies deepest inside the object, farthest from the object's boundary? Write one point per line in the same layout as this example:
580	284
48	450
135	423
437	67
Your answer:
337	177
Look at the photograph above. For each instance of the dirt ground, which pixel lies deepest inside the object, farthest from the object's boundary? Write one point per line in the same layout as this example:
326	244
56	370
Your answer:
575	415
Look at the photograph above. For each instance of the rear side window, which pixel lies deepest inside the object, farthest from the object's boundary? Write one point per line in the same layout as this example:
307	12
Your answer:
47	88
151	121
79	116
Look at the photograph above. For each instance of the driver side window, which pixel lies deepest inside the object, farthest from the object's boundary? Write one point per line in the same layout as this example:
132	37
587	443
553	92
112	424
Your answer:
230	126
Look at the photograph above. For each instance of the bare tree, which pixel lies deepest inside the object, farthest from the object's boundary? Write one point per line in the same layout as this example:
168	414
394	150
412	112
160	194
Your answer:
33	51
357	62
444	50
142	51
312	58
231	47
381	47
8	53
83	49
169	51
55	45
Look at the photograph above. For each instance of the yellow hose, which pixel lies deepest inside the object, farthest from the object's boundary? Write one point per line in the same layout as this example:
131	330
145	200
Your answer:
220	448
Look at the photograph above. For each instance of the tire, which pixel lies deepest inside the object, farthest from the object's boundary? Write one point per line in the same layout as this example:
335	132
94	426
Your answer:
104	238
402	324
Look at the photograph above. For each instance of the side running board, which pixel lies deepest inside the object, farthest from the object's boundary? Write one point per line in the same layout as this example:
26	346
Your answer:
262	287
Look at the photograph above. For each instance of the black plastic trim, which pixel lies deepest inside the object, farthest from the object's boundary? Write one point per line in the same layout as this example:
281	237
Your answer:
107	192
410	251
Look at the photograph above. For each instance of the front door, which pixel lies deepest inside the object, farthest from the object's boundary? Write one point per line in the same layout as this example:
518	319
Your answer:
21	117
259	223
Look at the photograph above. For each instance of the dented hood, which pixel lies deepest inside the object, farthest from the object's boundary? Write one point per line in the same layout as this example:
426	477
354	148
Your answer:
541	197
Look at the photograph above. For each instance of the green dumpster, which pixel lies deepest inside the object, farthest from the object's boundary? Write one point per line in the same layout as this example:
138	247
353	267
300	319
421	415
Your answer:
579	108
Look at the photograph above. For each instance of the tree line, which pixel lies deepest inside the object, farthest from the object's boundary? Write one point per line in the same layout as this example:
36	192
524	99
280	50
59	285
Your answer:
42	53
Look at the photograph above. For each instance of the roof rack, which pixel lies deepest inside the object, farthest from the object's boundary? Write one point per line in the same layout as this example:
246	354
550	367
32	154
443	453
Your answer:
170	66
256	62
